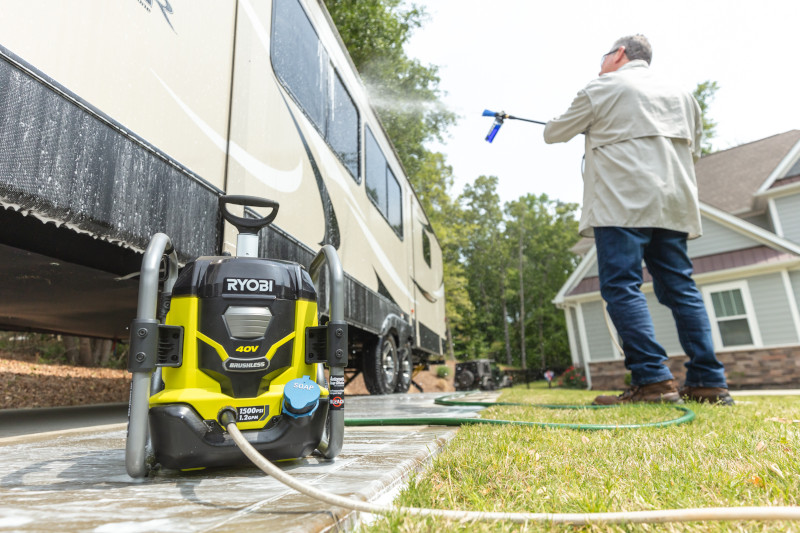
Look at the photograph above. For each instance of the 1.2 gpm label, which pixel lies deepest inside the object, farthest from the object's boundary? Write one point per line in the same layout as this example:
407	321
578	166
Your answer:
252	413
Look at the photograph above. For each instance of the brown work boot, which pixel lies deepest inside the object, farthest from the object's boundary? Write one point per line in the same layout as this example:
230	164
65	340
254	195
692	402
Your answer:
716	395
660	392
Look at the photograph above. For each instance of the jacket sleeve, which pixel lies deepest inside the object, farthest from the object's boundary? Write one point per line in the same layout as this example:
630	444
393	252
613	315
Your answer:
697	149
576	120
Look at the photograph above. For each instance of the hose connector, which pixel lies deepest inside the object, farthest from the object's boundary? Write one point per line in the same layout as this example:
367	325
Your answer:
226	416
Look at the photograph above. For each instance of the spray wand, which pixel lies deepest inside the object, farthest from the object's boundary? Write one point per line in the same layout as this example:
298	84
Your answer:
501	117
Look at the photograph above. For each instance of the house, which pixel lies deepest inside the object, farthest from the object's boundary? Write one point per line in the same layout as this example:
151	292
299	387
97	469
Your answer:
746	264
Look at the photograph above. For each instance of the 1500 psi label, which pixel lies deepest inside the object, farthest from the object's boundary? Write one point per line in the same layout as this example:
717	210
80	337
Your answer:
252	413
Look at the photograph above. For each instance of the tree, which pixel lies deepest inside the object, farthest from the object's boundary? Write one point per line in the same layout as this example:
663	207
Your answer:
704	93
485	255
547	229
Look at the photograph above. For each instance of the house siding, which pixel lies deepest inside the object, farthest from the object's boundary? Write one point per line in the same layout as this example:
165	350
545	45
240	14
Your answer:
664	325
794	278
572	316
717	239
772	310
762	221
600	347
788	208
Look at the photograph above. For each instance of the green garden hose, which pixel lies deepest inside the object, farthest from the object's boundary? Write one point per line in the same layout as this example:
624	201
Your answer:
687	416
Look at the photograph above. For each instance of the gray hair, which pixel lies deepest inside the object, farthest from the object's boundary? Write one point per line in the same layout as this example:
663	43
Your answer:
636	47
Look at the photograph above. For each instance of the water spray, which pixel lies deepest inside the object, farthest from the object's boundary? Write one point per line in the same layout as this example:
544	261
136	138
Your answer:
501	117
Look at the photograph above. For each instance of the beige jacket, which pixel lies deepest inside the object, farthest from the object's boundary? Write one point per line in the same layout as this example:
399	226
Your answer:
642	139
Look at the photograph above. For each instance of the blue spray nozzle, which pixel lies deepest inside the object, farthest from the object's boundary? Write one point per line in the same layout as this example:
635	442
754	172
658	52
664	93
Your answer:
487	113
495	128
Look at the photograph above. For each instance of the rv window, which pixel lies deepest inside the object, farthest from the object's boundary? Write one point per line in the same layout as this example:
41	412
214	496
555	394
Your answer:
376	173
394	203
343	127
299	59
382	186
426	247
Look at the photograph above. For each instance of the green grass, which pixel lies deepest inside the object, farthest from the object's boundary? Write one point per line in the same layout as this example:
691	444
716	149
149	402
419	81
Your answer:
728	456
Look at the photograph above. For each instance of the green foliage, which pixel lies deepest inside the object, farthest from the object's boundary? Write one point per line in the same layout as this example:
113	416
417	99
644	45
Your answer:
704	93
442	371
572	378
543	230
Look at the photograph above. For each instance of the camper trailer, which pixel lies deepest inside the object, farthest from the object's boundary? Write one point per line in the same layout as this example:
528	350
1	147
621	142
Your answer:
122	119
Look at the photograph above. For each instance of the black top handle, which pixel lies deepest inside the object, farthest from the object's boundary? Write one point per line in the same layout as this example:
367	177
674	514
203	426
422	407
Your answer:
248	225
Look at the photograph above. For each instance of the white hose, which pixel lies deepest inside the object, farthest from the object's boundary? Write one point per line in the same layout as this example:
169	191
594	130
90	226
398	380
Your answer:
639	517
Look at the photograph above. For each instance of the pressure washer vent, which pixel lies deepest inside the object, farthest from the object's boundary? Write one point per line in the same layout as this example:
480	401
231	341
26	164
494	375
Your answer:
247	322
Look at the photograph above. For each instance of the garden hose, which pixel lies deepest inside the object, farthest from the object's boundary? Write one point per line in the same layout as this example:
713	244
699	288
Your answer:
228	420
688	416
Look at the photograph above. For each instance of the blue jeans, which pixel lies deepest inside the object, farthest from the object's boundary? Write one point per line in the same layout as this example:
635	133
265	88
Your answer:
620	252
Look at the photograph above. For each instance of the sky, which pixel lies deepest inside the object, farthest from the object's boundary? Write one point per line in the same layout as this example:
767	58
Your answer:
529	58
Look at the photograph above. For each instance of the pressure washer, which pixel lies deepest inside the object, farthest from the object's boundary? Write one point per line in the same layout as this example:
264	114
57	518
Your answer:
237	336
228	358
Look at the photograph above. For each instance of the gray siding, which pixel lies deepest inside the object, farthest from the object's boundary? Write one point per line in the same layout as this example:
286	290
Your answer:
762	221
794	279
664	325
717	239
772	310
592	270
597	335
572	316
788	208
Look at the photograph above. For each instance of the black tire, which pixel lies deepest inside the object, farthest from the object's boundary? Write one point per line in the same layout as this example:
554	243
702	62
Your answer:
405	370
381	366
464	380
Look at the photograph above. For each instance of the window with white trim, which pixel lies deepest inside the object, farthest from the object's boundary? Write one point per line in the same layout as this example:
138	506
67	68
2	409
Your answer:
731	313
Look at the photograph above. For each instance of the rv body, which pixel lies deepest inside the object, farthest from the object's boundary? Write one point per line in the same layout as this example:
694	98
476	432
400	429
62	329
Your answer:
123	119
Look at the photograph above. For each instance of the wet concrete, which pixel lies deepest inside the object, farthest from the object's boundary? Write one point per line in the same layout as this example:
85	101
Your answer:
75	480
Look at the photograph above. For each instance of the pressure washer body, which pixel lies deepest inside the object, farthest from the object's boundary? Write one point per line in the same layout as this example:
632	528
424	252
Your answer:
239	335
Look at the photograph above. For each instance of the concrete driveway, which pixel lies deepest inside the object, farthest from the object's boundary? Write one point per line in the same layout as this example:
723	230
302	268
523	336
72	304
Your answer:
73	479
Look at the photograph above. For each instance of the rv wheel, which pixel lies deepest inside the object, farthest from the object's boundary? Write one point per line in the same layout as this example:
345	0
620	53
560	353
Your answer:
381	366
406	370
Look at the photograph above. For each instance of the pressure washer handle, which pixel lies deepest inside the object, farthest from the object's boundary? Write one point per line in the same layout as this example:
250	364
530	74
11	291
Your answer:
143	350
337	345
248	225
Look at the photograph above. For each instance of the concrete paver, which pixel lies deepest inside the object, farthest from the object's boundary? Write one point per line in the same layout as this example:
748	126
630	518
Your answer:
77	481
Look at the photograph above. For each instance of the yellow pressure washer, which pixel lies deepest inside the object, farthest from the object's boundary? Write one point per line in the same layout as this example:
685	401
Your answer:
236	335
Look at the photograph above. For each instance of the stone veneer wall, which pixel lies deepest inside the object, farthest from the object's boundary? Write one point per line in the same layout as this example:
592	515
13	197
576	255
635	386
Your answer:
759	368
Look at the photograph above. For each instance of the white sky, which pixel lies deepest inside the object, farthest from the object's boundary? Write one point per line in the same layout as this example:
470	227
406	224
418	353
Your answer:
529	58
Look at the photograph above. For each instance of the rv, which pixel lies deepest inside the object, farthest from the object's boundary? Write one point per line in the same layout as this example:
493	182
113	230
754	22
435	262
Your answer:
122	119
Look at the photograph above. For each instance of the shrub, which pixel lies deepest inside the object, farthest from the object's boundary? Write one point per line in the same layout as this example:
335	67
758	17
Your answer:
442	371
572	378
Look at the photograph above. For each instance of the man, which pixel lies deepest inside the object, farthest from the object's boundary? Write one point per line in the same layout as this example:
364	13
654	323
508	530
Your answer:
640	202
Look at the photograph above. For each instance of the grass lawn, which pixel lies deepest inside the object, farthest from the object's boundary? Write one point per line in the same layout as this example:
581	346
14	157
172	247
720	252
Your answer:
745	455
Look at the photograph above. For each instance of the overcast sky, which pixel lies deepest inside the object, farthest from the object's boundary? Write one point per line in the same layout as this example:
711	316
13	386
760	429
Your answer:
529	58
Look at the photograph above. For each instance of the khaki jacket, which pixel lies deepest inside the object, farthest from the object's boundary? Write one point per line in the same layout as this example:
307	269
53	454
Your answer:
642	139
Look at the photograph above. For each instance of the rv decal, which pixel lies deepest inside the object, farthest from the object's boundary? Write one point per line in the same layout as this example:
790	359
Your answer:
331	223
281	180
166	9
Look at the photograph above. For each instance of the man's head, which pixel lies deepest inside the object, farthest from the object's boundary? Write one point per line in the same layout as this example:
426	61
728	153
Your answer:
626	49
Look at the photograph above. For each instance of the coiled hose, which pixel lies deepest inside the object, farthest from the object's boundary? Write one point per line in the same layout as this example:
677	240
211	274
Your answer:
228	420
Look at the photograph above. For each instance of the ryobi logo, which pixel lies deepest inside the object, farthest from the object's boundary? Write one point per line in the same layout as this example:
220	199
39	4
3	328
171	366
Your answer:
259	286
